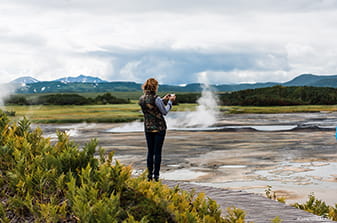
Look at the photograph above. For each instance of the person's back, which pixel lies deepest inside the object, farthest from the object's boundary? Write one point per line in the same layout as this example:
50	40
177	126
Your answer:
154	108
153	118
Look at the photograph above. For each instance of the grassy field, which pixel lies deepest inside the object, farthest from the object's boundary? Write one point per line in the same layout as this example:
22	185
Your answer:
76	114
130	112
85	113
133	95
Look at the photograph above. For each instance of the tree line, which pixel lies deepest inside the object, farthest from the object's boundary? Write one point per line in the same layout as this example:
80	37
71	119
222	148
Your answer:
270	96
65	99
281	96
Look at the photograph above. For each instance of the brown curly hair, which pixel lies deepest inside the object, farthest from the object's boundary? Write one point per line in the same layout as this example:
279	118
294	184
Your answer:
150	85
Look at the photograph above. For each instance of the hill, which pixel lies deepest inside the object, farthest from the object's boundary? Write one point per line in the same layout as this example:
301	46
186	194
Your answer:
312	80
24	80
83	84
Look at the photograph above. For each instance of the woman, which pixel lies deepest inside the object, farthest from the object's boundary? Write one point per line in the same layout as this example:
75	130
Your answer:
154	108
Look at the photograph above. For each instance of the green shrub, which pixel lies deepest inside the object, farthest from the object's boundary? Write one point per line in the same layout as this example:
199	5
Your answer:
44	182
16	100
272	195
108	98
333	212
317	207
235	215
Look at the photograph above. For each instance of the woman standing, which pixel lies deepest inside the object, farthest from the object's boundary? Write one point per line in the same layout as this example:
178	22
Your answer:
154	108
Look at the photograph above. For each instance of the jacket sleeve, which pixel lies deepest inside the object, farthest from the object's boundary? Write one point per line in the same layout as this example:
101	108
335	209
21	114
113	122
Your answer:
164	109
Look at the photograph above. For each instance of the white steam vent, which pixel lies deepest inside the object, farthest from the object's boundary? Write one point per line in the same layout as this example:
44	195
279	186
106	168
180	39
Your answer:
204	116
206	112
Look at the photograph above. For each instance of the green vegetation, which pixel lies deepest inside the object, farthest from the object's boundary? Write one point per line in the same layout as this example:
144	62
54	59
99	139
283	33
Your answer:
318	207
281	96
64	99
83	113
272	195
44	182
313	205
77	113
130	112
122	106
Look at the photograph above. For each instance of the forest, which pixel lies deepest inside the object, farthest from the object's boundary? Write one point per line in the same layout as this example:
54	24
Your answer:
64	99
270	96
281	96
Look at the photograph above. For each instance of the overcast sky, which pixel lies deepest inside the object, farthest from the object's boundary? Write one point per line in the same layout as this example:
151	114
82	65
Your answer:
231	41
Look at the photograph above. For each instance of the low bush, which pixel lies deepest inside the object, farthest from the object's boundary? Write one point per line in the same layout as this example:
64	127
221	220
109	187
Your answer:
44	182
313	205
318	207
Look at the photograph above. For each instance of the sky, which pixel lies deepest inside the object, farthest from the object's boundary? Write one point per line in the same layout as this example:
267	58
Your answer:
176	41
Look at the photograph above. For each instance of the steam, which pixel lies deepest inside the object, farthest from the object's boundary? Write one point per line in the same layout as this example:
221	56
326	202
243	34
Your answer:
204	116
6	90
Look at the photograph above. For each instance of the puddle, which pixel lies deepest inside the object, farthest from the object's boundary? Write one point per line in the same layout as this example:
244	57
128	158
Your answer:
300	173
263	127
139	127
129	127
232	166
182	174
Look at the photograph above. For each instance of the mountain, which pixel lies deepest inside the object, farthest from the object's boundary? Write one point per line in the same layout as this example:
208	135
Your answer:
93	84
312	80
24	80
80	79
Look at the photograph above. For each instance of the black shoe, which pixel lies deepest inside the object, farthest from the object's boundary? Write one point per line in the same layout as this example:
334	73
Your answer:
149	178
156	178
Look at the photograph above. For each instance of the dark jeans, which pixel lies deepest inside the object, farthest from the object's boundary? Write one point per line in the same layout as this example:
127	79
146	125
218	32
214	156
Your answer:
155	142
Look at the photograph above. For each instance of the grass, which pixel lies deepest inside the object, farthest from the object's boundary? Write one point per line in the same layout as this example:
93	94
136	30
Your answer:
132	95
73	114
131	112
84	113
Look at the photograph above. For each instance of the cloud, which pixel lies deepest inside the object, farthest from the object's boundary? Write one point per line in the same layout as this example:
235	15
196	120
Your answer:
247	76
234	40
181	66
141	6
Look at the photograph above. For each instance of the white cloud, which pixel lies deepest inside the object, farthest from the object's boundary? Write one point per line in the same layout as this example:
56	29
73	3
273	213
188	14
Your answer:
246	76
142	6
129	40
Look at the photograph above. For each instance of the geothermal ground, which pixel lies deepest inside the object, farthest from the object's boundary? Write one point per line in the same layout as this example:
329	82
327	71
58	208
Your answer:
296	154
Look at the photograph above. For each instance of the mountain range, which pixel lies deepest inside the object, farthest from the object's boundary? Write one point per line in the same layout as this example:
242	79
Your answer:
80	79
94	84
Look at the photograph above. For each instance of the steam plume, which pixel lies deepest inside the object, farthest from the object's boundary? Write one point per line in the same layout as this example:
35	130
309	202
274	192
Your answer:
6	90
204	116
206	112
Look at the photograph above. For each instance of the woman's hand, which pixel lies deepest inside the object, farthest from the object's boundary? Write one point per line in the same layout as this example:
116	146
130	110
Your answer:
172	97
166	97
